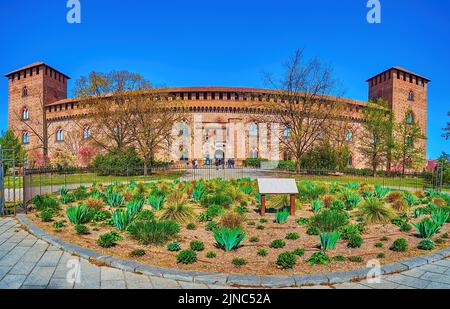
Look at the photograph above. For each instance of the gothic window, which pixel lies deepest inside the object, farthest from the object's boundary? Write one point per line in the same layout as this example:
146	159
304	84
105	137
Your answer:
286	131
349	136
86	133
184	154
59	135
25	137
409	141
410	118
184	129
350	160
25	114
410	96
253	131
253	153
24	92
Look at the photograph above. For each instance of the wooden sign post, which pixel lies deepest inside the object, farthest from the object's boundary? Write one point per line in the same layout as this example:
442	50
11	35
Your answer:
277	186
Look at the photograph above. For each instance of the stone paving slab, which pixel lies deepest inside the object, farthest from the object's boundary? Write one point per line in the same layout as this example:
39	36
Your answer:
30	262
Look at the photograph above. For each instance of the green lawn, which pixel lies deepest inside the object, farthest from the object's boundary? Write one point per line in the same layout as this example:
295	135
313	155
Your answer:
56	179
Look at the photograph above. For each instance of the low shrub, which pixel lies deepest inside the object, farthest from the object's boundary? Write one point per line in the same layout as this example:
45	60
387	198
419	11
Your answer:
312	230
378	245
426	244
302	221
254	239
281	216
277	244
231	220
399	245
337	205
292	236
375	211
426	228
329	220
122	219
239	262
286	260
137	252
211	225
115	199
214	211
108	239
80	214
46	215
319	258
260	227
94	203
191	226
263	220
197	245
211	254
394	196
299	251
384	238
82	229
59	224
173	247
348	231
262	252
153	232
316	205
187	257
178	212
355	259
145	215
381	255
355	241
338	258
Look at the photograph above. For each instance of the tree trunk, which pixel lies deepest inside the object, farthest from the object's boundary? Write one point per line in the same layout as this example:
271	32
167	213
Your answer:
145	168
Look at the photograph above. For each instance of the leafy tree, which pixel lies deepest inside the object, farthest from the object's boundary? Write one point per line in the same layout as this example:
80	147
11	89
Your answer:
326	157
407	153
118	161
376	134
10	142
444	161
446	134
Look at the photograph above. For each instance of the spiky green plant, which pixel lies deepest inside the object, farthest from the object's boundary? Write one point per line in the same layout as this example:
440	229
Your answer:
229	239
80	214
410	199
281	216
375	211
135	206
351	199
63	191
439	216
380	192
352	185
329	220
419	211
197	194
114	199
426	228
328	240
246	189
316	206
156	201
153	232
121	219
179	212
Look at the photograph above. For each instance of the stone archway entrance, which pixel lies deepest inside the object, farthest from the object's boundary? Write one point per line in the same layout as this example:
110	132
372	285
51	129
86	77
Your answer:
219	155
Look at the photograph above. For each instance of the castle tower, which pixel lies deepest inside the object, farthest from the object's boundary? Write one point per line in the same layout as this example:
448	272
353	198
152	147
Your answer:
404	91
30	89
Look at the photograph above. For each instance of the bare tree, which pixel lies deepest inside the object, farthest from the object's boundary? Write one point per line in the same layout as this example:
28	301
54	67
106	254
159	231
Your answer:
305	102
38	126
106	99
154	115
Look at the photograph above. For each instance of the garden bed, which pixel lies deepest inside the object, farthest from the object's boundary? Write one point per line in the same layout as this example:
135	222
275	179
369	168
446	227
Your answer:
187	203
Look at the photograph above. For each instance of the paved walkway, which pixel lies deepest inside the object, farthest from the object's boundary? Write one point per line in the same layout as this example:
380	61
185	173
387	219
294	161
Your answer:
28	262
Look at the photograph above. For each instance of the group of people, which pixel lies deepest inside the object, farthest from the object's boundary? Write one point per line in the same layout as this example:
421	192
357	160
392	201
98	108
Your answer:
221	163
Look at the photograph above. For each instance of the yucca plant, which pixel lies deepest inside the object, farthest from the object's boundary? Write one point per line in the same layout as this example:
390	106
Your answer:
80	214
63	191
439	216
426	228
380	191
156	201
375	211
229	239
114	199
135	206
281	216
197	194
316	206
419	211
351	199
121	219
328	240
179	212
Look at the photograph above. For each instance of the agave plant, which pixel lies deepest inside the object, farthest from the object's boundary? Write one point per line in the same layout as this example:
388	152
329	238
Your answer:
410	199
316	206
122	219
380	191
229	239
156	201
114	199
135	206
351	199
80	214
328	240
426	228
197	194
439	216
281	216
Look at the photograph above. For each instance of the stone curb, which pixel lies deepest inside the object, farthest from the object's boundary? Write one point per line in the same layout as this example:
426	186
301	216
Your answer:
229	279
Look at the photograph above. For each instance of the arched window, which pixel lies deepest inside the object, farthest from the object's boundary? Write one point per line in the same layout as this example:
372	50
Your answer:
25	114
184	154
253	130
349	136
253	153
410	96
409	141
25	137
350	160
25	92
184	129
410	118
59	135
286	131
86	132
374	140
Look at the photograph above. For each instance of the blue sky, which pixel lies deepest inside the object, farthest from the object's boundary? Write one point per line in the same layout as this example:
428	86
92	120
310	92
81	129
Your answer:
230	43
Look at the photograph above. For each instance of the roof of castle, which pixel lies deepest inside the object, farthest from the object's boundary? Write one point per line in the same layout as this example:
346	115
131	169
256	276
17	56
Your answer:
33	65
403	70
